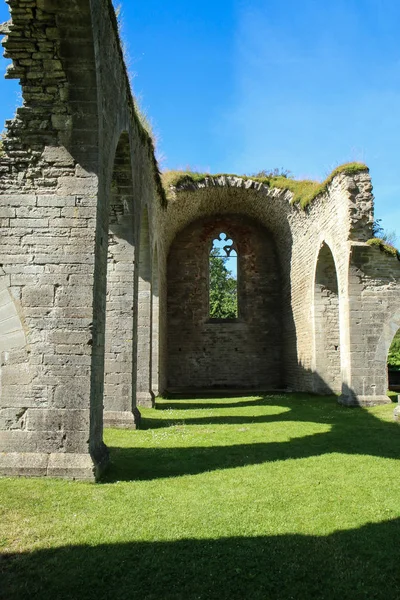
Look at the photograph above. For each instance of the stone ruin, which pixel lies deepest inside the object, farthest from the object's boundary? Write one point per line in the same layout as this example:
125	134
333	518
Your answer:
104	280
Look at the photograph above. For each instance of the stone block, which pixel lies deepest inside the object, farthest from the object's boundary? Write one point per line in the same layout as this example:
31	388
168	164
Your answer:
37	296
40	419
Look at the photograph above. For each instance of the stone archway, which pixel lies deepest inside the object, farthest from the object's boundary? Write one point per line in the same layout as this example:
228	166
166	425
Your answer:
119	399
143	389
155	318
233	353
327	373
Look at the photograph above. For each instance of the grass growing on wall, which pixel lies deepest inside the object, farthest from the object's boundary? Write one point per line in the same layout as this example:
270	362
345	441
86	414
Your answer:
280	496
384	246
304	191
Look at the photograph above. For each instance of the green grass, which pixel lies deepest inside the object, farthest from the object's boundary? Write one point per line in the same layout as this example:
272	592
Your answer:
274	497
304	191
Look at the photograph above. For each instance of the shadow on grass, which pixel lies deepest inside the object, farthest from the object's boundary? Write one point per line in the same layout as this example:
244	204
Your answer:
352	431
356	564
246	402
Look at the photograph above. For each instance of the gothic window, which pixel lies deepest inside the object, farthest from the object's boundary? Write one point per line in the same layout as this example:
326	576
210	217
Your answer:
223	297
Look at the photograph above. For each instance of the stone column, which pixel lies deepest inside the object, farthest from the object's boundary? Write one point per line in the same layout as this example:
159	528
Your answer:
373	295
155	314
143	392
51	379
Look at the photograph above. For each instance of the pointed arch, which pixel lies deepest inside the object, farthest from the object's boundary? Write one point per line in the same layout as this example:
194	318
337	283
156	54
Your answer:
155	318
143	390
119	399
327	374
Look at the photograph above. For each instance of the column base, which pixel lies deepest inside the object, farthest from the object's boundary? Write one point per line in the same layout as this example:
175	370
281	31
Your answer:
122	419
396	414
363	400
60	465
146	399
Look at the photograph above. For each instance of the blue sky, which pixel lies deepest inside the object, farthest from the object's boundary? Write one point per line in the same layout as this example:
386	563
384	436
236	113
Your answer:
244	85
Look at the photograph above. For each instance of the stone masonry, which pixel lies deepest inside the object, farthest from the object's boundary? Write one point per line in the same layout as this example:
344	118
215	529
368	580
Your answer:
103	283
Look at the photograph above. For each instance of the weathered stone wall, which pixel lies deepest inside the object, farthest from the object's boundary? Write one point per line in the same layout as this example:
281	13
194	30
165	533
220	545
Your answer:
374	318
338	220
326	324
245	352
59	174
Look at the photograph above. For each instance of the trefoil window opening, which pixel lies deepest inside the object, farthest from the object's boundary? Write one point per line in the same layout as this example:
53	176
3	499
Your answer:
223	293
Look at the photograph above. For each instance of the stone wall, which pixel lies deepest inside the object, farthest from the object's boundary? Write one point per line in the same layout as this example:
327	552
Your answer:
326	324
245	352
77	170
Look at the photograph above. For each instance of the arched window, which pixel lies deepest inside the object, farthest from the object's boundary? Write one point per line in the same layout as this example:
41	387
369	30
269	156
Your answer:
223	296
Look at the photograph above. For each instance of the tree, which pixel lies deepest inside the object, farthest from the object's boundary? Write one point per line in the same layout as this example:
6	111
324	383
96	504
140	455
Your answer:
223	288
394	353
390	236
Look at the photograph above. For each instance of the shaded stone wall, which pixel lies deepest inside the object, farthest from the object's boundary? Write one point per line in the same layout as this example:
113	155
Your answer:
245	352
119	333
326	324
374	304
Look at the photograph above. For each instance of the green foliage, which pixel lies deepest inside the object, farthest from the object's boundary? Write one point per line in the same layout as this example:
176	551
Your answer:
223	288
394	353
384	247
304	191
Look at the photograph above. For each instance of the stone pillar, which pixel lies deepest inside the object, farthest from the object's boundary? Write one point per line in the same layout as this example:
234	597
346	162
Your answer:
372	291
120	368
51	399
155	314
143	393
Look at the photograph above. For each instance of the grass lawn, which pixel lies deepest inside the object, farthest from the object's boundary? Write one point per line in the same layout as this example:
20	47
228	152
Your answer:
274	497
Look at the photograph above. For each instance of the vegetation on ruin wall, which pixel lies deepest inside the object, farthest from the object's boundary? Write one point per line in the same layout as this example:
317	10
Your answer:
304	191
384	246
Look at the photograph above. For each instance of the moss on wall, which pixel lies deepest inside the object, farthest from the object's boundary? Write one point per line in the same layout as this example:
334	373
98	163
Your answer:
384	247
304	191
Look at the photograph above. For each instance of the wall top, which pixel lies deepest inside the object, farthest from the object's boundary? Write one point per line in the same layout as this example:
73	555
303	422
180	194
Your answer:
301	192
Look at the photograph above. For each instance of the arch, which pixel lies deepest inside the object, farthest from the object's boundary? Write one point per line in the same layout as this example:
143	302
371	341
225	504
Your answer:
244	352
119	401
389	330
393	363
155	322
143	389
327	373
